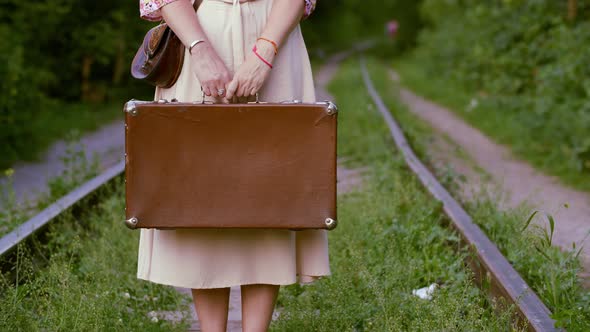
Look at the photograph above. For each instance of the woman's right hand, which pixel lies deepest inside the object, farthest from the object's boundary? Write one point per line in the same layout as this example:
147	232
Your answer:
209	69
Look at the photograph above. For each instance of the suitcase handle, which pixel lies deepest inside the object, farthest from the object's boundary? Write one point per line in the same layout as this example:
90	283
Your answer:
130	106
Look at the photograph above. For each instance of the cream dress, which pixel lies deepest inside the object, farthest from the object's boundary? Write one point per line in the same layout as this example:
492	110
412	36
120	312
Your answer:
215	258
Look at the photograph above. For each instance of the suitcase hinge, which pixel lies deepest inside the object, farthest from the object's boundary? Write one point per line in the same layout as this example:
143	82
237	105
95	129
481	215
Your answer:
292	101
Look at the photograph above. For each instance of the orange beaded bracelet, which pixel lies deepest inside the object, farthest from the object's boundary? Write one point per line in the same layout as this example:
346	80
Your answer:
272	42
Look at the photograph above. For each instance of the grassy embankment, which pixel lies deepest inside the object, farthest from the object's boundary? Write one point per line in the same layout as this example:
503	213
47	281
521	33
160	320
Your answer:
78	169
549	271
57	121
481	111
83	278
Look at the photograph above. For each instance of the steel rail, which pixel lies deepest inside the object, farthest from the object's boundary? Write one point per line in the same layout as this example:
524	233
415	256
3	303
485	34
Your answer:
25	230
490	264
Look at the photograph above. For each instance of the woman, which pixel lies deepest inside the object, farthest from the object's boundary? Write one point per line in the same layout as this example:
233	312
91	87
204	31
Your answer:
235	49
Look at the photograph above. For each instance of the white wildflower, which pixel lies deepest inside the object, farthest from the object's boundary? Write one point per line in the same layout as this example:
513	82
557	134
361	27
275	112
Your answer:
154	319
426	292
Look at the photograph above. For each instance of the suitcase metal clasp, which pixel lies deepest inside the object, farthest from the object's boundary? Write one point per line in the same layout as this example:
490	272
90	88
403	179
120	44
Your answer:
257	101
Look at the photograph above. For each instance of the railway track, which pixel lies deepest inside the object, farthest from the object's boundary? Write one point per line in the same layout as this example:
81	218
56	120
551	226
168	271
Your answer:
11	240
489	265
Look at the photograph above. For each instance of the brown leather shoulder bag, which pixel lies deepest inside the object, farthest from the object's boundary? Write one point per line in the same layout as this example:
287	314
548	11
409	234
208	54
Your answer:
159	59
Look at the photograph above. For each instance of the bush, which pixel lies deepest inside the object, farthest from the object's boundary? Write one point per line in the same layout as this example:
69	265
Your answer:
338	24
526	62
20	98
74	51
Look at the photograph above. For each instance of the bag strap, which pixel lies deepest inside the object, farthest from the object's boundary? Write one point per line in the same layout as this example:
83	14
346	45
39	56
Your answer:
196	4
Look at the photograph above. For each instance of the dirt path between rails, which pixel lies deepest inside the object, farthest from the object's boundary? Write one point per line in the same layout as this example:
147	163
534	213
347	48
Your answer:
492	166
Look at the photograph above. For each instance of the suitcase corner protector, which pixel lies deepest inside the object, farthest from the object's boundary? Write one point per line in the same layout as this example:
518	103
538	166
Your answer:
130	107
330	223
131	223
331	109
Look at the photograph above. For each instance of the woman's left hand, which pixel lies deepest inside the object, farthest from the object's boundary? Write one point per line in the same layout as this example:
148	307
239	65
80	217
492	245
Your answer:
249	78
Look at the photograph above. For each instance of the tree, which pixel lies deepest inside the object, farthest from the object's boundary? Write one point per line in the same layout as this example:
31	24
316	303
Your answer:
572	10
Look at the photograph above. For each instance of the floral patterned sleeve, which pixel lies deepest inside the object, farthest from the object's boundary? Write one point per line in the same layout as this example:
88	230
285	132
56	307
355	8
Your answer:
309	8
150	9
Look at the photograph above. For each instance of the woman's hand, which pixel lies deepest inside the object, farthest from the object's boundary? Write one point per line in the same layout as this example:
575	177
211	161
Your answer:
249	78
210	70
206	64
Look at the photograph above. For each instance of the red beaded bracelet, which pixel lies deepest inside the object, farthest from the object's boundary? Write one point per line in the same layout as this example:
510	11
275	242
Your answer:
255	50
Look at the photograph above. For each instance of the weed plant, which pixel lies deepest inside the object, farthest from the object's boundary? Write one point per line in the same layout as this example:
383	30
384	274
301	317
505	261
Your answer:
80	274
83	277
390	240
11	214
551	272
58	120
78	168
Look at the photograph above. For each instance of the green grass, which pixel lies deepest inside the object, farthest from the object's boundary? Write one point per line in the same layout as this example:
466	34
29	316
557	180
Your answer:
550	272
504	127
391	239
84	277
78	169
58	120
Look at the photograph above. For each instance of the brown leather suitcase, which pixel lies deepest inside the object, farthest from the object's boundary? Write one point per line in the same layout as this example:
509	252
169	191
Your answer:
255	165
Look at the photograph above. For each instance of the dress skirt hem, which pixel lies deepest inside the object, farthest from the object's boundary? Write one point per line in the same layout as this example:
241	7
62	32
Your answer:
302	280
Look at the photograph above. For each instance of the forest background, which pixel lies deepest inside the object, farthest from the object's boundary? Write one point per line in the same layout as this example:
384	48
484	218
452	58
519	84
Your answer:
64	64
